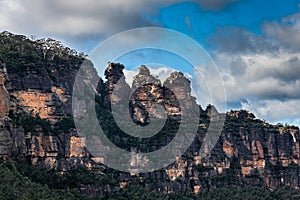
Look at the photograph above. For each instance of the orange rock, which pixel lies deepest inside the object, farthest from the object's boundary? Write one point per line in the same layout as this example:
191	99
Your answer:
246	170
228	148
77	145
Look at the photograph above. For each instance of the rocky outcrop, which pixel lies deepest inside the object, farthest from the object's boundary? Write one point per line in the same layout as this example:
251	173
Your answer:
36	103
4	95
151	98
116	87
147	100
248	152
178	89
12	138
51	105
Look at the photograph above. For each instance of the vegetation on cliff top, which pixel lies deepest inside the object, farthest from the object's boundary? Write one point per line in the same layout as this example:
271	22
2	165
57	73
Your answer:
19	54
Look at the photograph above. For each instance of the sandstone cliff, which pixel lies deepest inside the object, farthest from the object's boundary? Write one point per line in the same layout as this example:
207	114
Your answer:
36	121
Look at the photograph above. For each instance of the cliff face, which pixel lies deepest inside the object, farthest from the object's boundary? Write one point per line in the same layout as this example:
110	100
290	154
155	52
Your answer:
36	83
36	121
259	153
4	95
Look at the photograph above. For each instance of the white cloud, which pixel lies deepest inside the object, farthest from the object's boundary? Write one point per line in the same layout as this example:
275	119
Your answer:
82	19
73	18
266	76
161	73
285	32
263	69
275	111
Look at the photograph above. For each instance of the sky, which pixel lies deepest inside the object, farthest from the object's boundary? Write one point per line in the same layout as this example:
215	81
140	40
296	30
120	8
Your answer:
255	44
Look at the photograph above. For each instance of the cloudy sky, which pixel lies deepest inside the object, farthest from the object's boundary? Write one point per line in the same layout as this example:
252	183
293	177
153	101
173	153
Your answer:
254	43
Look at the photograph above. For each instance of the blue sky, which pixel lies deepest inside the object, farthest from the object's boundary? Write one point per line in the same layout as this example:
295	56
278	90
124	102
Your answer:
254	43
191	19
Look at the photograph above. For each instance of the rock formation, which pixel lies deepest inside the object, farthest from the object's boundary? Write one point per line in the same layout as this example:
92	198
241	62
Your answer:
4	95
36	120
116	87
147	98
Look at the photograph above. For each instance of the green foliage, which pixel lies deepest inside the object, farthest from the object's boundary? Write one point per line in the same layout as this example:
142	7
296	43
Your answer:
247	193
30	122
138	192
20	180
200	168
65	124
54	180
21	54
15	186
125	141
